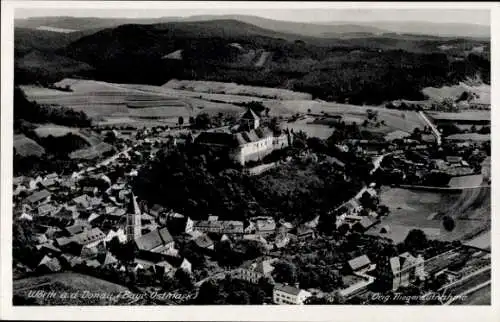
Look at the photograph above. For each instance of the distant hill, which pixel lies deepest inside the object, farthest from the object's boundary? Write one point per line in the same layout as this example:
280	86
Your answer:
83	23
436	29
26	39
299	28
310	29
46	66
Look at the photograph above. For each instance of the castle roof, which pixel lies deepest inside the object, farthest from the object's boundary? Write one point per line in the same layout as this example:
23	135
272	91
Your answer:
250	115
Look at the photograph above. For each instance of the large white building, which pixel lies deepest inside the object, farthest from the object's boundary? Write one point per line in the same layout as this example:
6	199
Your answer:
286	294
249	141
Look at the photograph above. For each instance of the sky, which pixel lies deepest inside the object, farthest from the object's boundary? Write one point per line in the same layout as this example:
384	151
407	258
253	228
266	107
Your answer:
472	16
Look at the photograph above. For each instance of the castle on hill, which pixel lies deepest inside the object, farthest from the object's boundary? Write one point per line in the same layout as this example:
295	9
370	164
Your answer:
248	140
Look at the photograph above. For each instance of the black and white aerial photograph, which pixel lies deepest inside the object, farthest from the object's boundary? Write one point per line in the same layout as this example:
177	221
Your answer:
225	156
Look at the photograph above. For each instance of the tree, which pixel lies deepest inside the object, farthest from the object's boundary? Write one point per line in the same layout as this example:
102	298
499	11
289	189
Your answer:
184	279
180	120
383	210
285	272
110	137
448	223
367	201
415	240
209	293
238	297
202	121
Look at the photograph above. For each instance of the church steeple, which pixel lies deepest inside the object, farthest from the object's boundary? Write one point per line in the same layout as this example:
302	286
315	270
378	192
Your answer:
133	219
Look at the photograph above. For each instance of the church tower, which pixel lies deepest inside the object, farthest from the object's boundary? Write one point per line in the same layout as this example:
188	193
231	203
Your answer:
249	121
133	220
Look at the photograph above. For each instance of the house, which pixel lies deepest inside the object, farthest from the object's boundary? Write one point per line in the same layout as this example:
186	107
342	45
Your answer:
453	159
119	233
106	259
360	263
264	226
208	226
87	238
249	142
48	264
204	242
46	210
177	223
77	229
364	224
354	285
285	226
83	201
161	264
232	228
48	249
25	216
352	207
34	183
282	240
38	198
71	260
400	271
156	210
253	271
156	241
305	233
286	294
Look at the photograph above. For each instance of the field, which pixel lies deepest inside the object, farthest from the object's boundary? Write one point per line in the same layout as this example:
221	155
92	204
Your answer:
109	103
311	129
466	181
470	115
469	137
71	283
55	130
425	210
25	146
438	94
481	241
236	89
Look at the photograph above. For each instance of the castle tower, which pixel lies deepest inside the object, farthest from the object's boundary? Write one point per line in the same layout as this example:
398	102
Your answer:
249	120
133	220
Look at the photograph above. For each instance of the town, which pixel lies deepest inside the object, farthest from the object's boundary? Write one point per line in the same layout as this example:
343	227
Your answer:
90	221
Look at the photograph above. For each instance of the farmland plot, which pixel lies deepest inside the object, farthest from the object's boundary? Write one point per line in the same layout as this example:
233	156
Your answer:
424	210
26	147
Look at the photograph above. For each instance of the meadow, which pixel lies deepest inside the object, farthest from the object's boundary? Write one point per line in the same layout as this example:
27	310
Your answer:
26	147
412	209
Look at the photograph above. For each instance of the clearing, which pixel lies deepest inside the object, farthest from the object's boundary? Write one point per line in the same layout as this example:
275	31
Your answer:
46	130
311	129
25	146
412	209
